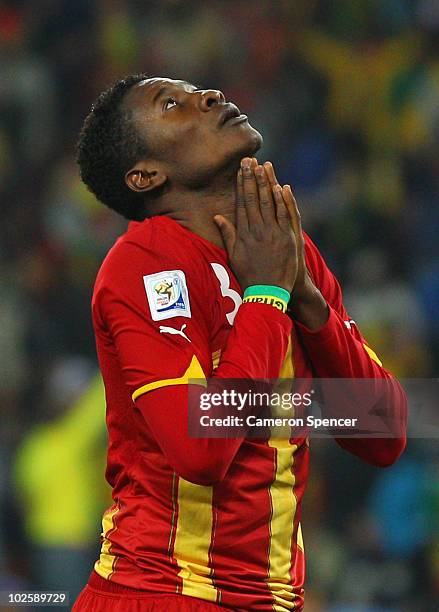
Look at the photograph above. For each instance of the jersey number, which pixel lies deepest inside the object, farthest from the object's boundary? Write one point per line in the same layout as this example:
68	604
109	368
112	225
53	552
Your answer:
226	290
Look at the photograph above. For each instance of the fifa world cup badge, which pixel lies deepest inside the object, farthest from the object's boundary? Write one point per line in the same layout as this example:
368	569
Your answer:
167	294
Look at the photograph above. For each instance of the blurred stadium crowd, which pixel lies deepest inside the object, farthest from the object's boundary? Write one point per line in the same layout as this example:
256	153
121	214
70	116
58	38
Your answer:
346	95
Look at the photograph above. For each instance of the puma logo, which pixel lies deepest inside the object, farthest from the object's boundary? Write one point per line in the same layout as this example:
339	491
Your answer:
349	323
172	330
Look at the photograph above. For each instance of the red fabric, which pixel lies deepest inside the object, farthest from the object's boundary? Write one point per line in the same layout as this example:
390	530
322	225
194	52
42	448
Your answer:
150	452
206	461
337	351
92	600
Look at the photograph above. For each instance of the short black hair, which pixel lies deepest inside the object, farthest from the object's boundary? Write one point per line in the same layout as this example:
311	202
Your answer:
108	146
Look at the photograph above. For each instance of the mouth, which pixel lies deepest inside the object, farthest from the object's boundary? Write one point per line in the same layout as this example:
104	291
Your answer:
231	114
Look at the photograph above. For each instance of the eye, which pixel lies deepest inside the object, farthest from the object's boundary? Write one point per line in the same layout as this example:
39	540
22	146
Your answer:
170	103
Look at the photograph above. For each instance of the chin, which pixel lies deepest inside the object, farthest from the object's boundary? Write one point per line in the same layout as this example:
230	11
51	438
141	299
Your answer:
256	138
259	141
253	142
246	144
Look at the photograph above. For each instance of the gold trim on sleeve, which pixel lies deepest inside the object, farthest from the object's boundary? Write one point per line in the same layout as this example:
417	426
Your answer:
194	371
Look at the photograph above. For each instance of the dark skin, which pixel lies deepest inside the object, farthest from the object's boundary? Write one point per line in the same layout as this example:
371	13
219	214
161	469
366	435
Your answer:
210	183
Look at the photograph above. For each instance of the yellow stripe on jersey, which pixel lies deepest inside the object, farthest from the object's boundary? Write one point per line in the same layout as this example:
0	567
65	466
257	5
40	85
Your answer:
194	371
372	354
299	537
283	505
287	368
216	355
104	566
193	539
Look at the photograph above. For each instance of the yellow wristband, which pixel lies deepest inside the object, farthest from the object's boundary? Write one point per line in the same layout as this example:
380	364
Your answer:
276	302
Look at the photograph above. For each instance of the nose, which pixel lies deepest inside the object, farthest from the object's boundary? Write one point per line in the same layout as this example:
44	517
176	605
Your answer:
211	97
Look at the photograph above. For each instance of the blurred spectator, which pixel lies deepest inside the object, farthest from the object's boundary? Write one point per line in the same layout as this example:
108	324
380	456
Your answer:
58	478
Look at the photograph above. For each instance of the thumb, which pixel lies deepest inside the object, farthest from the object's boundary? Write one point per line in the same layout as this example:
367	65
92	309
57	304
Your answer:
228	232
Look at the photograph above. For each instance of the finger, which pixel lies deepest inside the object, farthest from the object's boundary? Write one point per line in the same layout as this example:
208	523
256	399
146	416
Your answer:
251	194
266	202
282	214
289	200
241	214
254	162
293	210
228	232
270	173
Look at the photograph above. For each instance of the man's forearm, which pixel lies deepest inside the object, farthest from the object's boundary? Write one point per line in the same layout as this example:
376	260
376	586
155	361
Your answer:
335	353
309	308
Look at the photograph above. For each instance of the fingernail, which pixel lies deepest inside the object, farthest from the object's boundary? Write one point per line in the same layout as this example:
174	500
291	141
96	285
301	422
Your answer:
246	164
259	170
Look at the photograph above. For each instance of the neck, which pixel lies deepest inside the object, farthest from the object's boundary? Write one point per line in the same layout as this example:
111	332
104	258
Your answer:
195	209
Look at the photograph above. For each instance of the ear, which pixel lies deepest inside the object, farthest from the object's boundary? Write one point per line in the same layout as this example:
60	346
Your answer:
145	176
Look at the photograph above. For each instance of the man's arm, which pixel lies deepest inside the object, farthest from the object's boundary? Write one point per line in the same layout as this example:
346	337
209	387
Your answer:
337	349
334	344
158	367
256	348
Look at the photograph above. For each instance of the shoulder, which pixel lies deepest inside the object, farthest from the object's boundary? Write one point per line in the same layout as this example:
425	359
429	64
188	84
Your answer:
147	248
156	261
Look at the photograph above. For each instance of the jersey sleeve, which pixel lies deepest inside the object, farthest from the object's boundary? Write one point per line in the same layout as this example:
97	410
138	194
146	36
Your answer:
148	308
159	356
338	350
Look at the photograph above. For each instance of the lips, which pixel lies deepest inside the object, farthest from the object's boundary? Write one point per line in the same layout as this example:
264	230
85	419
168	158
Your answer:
230	112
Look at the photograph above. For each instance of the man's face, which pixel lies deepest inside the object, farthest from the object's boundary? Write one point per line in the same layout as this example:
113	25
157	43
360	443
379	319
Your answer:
195	133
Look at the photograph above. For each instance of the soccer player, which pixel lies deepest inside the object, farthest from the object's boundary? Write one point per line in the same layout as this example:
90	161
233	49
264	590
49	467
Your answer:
205	524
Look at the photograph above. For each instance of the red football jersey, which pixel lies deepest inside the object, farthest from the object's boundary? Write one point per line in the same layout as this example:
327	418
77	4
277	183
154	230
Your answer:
213	519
